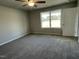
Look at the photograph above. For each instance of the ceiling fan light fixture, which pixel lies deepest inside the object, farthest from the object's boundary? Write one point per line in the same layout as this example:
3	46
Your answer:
31	3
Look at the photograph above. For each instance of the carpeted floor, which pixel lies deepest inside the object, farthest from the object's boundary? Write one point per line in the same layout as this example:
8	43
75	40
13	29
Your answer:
41	47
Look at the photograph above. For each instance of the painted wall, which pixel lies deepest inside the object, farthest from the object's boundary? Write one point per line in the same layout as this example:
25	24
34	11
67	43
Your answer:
69	17
36	25
36	22
78	18
13	24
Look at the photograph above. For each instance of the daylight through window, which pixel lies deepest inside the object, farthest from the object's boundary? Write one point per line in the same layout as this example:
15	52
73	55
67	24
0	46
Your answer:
51	19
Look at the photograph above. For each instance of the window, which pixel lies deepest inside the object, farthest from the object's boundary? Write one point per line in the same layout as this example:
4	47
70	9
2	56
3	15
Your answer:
56	19
51	19
45	22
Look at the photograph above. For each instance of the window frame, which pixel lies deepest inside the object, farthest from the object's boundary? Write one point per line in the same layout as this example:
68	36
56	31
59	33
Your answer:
41	20
50	20
60	19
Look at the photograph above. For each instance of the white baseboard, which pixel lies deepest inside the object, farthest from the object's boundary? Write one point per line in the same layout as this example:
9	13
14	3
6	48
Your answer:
47	33
17	37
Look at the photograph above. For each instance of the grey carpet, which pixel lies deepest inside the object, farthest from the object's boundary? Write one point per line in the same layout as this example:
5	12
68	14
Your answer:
41	47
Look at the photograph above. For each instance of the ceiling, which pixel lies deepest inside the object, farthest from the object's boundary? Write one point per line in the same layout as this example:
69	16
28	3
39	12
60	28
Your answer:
16	4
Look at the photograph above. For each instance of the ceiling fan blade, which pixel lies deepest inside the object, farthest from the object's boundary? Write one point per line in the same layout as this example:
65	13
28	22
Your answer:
20	0
28	0
24	5
40	2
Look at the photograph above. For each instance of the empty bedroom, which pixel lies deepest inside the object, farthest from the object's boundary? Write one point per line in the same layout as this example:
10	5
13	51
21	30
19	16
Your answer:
39	29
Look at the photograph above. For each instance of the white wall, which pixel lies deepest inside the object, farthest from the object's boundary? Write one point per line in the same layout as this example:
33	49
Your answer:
78	17
68	29
13	24
78	20
35	19
35	23
76	23
69	17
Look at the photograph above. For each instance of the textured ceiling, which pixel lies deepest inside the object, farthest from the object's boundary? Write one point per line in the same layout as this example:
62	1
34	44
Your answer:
16	4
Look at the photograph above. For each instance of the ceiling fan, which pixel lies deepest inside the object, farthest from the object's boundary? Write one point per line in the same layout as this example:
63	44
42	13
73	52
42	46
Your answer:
32	3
